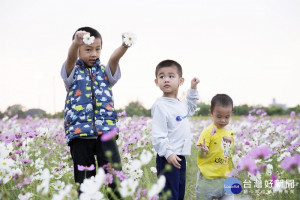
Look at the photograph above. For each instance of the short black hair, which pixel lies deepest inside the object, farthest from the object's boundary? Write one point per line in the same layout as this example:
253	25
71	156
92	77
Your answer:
169	63
221	99
92	31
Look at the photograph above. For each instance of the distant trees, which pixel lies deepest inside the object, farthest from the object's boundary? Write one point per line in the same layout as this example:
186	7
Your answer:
18	109
137	109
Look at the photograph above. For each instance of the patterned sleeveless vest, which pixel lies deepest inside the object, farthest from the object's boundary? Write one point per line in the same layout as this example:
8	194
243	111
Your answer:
89	109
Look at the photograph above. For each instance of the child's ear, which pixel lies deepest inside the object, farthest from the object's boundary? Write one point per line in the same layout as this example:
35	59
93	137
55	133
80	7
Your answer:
181	81
210	112
156	81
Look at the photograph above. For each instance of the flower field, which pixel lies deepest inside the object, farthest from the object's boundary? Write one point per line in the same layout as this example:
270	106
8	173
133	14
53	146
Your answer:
35	162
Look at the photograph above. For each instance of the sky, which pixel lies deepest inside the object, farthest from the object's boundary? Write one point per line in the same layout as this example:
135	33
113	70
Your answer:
248	49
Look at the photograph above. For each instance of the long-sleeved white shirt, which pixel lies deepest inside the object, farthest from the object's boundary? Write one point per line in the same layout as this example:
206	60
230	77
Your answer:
169	133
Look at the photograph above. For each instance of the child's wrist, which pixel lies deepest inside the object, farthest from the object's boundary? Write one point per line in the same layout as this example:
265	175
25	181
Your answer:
76	44
125	46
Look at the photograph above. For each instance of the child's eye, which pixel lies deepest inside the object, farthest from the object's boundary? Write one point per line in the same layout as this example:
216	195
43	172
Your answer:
171	76
161	77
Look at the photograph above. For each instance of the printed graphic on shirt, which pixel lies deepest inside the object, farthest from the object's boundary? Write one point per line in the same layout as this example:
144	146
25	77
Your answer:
180	118
226	146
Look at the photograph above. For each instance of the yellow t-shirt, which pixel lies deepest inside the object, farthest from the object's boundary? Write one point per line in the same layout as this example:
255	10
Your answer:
218	162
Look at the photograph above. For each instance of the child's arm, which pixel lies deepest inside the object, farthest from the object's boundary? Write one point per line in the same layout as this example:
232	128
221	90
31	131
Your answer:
116	56
73	51
203	149
192	97
159	132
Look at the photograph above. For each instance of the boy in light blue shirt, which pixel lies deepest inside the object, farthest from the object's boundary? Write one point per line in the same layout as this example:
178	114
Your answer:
171	135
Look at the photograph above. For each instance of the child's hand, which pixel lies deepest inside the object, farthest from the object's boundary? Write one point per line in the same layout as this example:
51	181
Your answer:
128	39
173	160
194	83
78	39
203	147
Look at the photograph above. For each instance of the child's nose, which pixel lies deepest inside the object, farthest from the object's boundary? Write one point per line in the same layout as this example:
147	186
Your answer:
94	53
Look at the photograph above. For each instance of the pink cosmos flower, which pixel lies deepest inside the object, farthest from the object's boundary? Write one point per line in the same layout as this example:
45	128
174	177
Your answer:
121	175
290	163
247	143
85	168
274	178
26	160
292	114
145	192
108	179
122	114
138	194
26	182
262	152
247	164
109	135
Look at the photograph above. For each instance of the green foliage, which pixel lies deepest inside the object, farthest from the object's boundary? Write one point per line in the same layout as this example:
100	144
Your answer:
275	111
16	109
296	109
242	109
137	109
204	109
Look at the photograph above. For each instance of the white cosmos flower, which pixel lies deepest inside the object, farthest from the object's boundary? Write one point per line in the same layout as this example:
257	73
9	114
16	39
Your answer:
269	169
62	193
5	149
95	196
26	196
129	39
157	187
137	173
45	182
88	39
126	168
128	187
146	157
6	164
93	184
153	169
58	185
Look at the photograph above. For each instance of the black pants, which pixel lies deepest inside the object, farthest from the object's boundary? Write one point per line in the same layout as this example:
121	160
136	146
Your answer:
83	152
175	179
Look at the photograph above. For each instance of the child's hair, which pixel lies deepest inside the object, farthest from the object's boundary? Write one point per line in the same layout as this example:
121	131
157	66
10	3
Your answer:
169	63
221	99
93	32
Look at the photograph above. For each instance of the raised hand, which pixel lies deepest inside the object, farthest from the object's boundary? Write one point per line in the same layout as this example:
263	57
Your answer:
173	160
78	39
194	83
203	146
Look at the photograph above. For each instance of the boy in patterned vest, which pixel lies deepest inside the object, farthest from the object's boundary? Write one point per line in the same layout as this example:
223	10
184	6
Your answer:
89	109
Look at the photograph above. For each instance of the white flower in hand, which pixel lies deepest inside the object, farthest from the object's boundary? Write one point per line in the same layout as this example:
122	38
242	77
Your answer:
88	39
129	39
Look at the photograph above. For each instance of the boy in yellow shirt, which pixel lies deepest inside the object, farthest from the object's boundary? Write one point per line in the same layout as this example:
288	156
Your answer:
215	151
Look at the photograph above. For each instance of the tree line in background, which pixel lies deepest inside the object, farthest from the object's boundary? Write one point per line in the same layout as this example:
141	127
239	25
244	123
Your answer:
137	109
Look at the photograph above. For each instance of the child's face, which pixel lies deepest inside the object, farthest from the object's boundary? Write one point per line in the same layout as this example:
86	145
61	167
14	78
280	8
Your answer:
168	81
221	115
89	53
